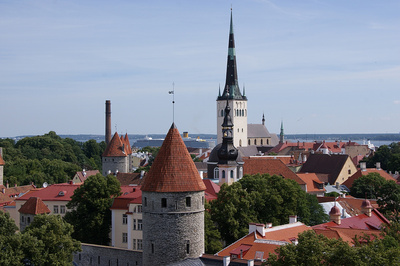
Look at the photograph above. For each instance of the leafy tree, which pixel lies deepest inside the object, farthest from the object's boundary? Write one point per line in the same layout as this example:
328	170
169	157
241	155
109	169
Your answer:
46	241
264	199
313	249
52	237
152	151
332	194
212	237
90	204
367	186
388	156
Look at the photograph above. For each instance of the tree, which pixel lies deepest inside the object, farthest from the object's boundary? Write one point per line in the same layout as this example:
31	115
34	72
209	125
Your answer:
314	249
46	241
263	199
388	156
367	186
52	237
212	237
90	204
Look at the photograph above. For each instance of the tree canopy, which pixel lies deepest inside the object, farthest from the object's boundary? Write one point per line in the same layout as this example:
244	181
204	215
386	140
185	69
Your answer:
90	204
374	186
48	158
262	199
46	241
388	156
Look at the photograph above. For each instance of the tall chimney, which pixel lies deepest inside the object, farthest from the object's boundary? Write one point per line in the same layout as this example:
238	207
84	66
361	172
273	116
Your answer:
108	121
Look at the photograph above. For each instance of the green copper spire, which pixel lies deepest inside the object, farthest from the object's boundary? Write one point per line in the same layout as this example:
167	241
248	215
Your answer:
231	88
281	135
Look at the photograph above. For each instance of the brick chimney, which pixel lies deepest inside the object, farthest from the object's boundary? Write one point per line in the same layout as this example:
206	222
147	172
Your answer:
108	121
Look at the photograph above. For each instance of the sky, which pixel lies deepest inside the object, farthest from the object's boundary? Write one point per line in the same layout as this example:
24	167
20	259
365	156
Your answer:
318	66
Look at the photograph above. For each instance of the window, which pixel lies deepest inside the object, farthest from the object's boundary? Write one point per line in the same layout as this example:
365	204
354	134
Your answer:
349	171
216	172
140	244
139	224
188	201
139	208
249	142
134	224
261	141
55	209
124	219
134	244
202	200
255	142
187	247
28	220
163	203
231	173
152	248
145	201
124	238
22	218
223	173
62	209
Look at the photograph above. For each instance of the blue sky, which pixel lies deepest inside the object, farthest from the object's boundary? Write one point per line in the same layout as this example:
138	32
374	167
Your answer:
320	66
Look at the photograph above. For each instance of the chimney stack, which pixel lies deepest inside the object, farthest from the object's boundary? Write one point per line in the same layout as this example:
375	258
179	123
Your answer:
108	121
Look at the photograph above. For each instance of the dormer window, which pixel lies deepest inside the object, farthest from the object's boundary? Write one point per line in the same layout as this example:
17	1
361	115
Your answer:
62	193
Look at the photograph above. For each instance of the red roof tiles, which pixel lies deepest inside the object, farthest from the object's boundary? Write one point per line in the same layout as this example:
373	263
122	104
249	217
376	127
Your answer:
2	161
265	165
118	147
173	169
56	192
34	206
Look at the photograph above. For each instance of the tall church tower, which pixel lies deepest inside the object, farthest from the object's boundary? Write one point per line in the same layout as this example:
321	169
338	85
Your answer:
173	205
236	100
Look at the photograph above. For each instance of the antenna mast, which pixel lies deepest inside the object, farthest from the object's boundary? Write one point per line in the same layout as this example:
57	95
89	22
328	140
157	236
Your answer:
173	101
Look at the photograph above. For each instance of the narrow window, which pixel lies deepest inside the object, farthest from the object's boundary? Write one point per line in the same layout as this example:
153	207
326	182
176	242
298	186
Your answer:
124	219
55	209
216	172
80	256
202	200
255	142
145	201
349	171
187	247
223	173
23	219
134	244
231	173
139	207
249	142
62	209
124	237
188	201
139	244
261	141
28	220
152	248
163	203
134	224
98	260
139	224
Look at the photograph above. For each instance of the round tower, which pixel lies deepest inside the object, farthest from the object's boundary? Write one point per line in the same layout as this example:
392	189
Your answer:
173	205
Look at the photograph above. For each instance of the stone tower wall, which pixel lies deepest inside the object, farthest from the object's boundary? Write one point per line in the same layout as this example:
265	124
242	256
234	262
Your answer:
167	231
115	163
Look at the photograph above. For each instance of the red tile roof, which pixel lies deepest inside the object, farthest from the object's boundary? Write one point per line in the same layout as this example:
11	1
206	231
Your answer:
361	221
126	179
130	194
34	206
83	175
347	234
212	190
56	192
312	181
173	170
10	194
274	238
117	147
349	182
264	165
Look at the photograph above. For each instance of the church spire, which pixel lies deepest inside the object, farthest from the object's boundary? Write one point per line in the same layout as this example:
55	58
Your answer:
281	135
227	153
231	89
263	120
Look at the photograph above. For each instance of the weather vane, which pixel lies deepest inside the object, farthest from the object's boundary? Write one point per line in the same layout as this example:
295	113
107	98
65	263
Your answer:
173	101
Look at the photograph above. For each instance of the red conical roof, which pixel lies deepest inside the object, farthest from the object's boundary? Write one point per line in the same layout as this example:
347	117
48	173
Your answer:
173	169
115	147
35	206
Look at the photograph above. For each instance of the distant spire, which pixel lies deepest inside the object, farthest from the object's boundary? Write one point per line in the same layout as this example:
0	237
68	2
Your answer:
244	91
219	91
281	135
231	83
263	120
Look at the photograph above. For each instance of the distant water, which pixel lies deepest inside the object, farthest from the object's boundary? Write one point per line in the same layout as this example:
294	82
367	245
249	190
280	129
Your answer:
376	139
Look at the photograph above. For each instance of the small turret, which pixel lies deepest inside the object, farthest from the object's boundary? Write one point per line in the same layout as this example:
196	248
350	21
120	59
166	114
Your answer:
366	207
335	214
